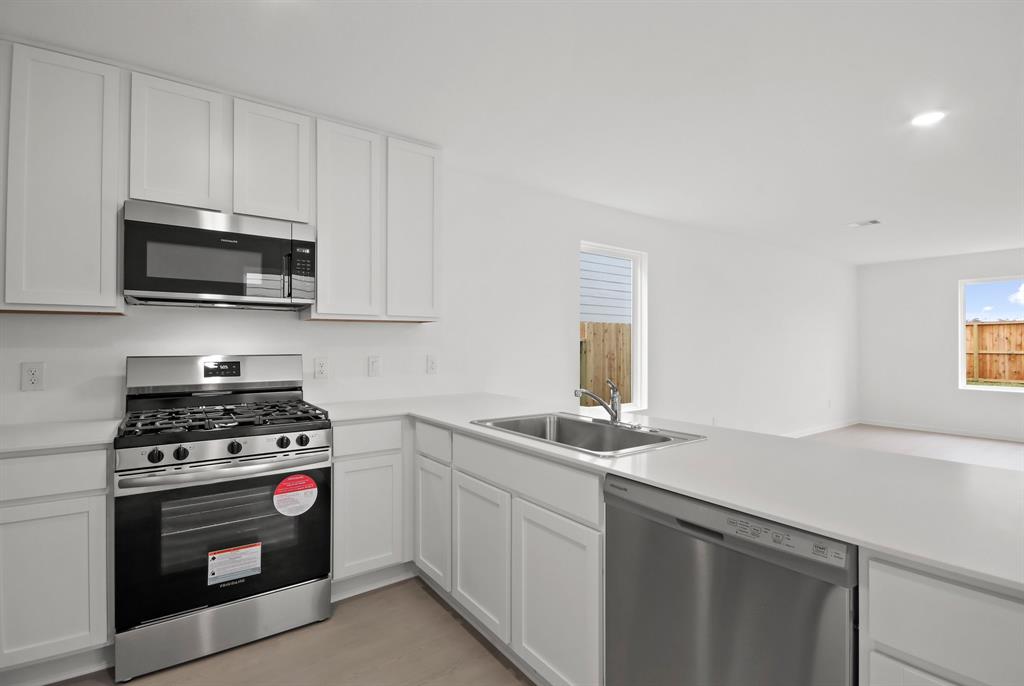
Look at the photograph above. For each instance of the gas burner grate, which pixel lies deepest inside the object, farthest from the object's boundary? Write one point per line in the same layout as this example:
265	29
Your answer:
216	417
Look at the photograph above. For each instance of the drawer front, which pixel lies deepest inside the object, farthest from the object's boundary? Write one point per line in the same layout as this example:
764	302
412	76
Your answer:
967	631
45	475
570	491
434	442
371	437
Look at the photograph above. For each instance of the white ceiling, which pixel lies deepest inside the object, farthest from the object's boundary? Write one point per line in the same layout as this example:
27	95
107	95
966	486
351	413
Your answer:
784	121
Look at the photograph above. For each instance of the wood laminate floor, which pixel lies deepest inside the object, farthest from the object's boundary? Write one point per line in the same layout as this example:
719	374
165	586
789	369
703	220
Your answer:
968	449
401	635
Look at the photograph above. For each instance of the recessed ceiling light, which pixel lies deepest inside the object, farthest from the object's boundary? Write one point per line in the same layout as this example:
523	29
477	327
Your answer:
928	118
866	222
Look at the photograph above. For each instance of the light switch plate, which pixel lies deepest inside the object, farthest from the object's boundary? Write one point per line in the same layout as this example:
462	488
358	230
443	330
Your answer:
374	365
33	376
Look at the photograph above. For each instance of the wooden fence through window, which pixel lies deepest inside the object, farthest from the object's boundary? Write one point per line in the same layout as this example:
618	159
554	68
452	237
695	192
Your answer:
995	352
606	353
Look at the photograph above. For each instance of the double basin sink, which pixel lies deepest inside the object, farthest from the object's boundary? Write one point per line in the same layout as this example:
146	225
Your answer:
594	436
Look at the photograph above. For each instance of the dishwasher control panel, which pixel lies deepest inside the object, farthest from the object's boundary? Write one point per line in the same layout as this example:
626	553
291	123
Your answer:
790	540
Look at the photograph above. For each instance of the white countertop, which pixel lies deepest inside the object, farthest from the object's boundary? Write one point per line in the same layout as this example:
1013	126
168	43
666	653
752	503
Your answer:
961	518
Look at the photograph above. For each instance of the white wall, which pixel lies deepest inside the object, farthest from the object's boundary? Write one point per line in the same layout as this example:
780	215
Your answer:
909	338
756	337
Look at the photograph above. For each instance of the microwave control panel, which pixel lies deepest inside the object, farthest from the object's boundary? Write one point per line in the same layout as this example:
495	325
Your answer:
303	259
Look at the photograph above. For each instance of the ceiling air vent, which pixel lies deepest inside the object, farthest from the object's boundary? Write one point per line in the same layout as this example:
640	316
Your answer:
866	222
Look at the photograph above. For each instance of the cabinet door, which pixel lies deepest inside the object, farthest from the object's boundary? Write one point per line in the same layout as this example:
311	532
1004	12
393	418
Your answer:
272	150
412	223
62	181
556	595
350	279
481	536
886	671
180	144
53	581
433	524
367	514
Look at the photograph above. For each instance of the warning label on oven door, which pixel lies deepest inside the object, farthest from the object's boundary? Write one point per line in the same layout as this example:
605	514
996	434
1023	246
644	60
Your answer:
233	563
294	495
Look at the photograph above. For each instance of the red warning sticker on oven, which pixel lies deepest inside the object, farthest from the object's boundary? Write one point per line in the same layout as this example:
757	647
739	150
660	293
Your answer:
229	564
294	495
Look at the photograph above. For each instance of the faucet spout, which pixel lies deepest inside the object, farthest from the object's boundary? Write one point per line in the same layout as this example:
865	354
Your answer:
614	408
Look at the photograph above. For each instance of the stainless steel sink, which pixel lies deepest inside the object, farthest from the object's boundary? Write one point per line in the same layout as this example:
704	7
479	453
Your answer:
595	436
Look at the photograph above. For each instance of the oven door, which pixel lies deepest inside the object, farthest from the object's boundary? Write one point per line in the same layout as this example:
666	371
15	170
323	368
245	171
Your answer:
164	261
180	548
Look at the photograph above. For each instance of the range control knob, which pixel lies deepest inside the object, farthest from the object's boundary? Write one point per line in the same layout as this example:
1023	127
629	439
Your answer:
234	447
155	455
180	453
302	439
284	442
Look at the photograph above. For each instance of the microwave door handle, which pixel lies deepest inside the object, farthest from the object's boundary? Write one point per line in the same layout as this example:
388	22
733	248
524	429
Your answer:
213	474
286	275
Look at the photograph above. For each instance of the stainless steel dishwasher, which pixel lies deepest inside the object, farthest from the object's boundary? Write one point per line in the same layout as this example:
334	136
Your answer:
699	595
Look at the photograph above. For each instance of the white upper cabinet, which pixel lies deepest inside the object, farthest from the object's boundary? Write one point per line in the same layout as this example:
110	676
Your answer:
63	182
272	166
180	144
350	255
412	228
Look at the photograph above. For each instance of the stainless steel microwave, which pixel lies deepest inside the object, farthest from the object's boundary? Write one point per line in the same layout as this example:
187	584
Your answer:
183	256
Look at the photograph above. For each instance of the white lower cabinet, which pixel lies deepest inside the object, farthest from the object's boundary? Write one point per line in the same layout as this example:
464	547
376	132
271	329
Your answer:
367	513
53	581
556	595
886	671
481	535
433	525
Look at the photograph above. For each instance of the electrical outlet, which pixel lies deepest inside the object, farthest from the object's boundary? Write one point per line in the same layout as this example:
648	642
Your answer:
321	368
33	376
431	364
374	365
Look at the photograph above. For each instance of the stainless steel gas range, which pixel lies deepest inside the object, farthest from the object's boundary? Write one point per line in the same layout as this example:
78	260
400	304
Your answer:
222	507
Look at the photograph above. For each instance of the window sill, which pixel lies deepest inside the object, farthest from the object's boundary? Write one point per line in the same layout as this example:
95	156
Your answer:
996	389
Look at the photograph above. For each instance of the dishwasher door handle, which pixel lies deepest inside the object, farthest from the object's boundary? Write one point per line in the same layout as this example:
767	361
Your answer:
699	531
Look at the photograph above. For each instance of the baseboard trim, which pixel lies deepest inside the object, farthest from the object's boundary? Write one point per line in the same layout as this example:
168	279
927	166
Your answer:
59	668
944	431
821	429
357	585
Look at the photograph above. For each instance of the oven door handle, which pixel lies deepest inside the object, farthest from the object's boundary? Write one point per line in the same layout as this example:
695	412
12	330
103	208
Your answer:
213	475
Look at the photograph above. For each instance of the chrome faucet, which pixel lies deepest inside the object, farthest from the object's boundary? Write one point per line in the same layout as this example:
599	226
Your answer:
614	408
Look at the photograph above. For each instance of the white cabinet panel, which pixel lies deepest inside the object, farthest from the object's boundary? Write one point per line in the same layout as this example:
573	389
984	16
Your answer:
62	181
556	595
350	255
367	514
886	671
481	535
46	475
570	491
412	228
368	437
947	624
52	578
272	167
433	524
180	144
434	441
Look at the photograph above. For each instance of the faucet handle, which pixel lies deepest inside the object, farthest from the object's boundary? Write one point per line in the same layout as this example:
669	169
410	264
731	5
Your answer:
612	386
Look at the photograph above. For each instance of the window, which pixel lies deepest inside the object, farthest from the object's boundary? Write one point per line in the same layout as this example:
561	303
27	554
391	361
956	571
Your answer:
613	323
992	334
